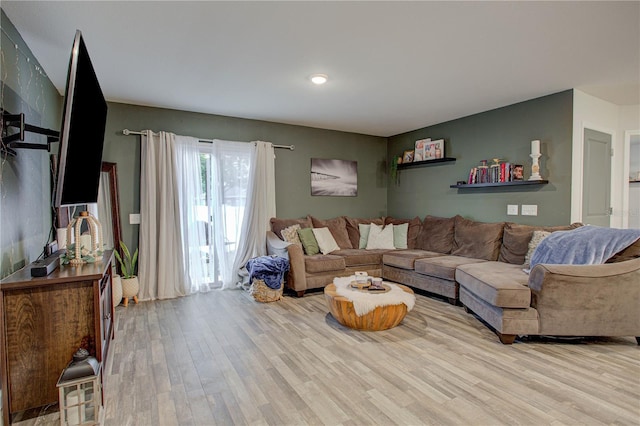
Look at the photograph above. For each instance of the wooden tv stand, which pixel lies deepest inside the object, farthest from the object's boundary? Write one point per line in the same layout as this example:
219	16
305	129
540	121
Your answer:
43	321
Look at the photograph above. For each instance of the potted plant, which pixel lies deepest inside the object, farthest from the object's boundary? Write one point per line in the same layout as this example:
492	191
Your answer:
394	167
130	283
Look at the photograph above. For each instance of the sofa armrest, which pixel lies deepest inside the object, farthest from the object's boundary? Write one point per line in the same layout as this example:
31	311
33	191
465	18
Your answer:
587	300
581	273
297	278
275	246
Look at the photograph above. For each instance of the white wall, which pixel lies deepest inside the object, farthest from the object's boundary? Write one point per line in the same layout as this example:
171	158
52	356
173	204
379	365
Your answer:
590	112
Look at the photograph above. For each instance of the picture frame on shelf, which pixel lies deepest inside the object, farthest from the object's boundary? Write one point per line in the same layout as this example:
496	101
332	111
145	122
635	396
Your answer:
518	172
418	155
434	150
407	156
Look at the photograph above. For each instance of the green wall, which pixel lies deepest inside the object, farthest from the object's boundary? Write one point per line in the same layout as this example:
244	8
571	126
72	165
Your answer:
25	183
504	133
293	185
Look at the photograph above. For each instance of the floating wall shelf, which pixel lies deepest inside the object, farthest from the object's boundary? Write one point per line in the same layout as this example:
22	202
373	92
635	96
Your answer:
425	163
500	184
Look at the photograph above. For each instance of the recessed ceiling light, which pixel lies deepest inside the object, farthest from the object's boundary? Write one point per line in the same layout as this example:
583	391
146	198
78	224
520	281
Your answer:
319	78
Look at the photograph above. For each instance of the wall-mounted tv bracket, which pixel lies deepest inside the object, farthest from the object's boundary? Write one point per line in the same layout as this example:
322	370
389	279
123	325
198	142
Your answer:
16	140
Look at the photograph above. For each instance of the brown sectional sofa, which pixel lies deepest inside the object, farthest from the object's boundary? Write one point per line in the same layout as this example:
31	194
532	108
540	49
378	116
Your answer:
481	266
312	272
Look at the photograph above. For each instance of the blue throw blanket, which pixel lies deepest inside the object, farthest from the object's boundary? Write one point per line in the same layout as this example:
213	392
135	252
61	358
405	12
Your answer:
271	269
587	245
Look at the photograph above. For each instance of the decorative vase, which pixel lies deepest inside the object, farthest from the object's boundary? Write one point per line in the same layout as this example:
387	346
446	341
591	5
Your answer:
116	290
130	288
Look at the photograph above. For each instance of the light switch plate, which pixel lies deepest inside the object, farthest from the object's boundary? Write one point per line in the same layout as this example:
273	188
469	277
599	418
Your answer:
512	209
134	219
529	210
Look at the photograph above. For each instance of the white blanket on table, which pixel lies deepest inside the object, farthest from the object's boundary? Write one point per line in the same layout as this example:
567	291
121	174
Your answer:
365	302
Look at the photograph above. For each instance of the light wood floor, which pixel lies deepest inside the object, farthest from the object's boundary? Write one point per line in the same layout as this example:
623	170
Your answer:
220	358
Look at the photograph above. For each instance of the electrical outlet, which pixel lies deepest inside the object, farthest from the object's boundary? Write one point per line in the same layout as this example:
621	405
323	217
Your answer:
512	209
529	210
134	219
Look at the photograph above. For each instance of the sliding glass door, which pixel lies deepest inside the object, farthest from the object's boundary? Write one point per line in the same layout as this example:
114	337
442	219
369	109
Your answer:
224	176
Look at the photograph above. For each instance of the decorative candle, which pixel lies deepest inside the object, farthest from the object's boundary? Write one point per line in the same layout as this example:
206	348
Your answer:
61	235
85	241
535	147
74	398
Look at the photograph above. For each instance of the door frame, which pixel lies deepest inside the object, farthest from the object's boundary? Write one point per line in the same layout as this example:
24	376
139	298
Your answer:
577	172
625	170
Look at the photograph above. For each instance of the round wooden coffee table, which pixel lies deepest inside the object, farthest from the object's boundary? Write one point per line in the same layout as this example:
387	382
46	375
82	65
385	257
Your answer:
381	318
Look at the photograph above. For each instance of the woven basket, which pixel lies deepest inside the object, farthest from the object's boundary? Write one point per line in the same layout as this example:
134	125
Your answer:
263	293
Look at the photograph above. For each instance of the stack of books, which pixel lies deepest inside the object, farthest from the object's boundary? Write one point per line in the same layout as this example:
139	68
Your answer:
496	173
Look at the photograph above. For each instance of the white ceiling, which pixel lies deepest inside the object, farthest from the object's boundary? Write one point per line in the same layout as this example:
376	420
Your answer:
393	66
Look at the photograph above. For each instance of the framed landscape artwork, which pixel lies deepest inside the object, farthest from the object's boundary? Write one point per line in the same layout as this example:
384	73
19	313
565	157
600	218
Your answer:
338	178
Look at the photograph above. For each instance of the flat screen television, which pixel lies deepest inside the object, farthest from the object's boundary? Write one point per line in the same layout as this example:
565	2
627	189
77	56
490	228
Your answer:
82	132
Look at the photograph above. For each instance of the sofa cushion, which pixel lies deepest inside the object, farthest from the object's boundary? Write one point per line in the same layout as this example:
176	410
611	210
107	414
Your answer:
400	236
325	240
380	238
338	228
364	235
277	225
354	232
405	259
436	234
516	237
478	240
415	225
323	263
309	242
361	257
631	252
498	283
442	266
290	234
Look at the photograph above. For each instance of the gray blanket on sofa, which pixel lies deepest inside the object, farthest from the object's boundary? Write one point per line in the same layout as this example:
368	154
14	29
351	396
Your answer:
587	245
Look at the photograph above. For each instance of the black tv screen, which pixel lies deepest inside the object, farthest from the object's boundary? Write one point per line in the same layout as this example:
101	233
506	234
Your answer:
82	132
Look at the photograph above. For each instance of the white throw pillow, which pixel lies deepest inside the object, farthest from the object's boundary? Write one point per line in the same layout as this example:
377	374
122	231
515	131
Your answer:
380	238
400	235
326	242
364	234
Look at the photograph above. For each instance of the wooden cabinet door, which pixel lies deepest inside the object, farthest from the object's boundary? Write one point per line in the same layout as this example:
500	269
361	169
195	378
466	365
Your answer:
44	327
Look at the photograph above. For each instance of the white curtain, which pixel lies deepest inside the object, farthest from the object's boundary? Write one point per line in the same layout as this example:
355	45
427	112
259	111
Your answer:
225	170
161	271
103	210
259	209
192	231
205	210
